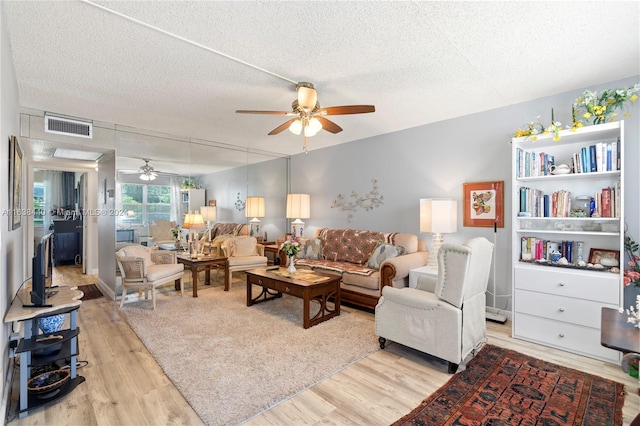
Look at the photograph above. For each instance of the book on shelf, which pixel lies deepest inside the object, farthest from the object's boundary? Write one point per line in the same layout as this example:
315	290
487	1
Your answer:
606	202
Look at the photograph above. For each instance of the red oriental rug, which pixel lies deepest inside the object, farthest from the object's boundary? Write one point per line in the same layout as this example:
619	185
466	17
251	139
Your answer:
504	387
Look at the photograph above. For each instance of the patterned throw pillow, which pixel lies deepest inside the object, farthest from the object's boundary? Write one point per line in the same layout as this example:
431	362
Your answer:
312	249
382	253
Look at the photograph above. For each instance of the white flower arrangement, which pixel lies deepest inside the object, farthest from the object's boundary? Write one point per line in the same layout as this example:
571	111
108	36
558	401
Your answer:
634	313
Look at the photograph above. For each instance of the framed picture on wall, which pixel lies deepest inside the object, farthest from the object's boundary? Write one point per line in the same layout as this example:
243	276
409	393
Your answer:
15	183
483	204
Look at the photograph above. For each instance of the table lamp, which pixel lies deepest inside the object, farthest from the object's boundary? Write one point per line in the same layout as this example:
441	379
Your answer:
438	216
193	222
209	215
298	207
254	207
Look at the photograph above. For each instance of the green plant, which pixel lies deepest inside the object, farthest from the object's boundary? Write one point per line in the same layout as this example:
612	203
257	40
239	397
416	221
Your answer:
188	184
602	107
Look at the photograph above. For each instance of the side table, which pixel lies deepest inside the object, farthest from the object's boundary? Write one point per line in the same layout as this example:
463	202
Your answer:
66	300
415	274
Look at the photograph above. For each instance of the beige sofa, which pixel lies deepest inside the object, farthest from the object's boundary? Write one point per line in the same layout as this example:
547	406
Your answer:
348	253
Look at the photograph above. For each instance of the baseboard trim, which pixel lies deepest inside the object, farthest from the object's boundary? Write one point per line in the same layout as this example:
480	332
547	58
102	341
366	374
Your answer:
106	290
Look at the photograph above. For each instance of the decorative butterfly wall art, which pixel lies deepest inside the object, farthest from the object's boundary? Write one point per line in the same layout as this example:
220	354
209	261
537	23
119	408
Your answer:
484	204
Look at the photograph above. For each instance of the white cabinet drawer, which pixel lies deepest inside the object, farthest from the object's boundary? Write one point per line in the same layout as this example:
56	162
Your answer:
597	286
562	335
559	308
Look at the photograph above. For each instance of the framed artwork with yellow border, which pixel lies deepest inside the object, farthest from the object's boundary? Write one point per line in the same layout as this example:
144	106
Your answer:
483	204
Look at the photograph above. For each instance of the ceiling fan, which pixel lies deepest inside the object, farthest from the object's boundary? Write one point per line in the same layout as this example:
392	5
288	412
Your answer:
146	172
308	116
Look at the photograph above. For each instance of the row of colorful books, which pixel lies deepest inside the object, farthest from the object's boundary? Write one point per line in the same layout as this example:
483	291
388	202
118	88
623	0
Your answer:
533	249
535	203
600	157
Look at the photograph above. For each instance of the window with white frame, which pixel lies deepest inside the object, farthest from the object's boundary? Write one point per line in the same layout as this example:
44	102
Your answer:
144	203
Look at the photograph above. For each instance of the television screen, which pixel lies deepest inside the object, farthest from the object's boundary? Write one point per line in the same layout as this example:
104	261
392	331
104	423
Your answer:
42	274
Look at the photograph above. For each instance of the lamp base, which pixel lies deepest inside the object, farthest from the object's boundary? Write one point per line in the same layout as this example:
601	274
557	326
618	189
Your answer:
436	242
297	229
254	227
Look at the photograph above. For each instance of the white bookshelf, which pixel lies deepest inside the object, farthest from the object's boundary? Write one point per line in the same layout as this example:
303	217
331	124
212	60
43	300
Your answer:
560	305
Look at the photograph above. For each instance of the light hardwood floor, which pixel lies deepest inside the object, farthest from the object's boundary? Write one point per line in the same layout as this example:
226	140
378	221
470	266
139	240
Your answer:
125	386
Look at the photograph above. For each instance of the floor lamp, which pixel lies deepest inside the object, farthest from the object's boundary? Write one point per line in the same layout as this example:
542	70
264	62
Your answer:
298	207
438	216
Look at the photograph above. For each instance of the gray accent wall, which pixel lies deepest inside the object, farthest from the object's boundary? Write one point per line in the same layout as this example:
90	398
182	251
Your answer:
433	161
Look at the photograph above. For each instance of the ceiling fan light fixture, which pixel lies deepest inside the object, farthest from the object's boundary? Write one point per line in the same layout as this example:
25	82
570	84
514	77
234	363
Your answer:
296	127
148	176
315	125
307	96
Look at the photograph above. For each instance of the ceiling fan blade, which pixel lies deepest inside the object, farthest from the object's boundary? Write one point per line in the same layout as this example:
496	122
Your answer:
282	127
248	111
348	109
329	125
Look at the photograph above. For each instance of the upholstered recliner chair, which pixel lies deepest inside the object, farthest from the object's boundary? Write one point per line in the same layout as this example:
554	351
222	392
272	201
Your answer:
160	231
443	316
242	253
147	268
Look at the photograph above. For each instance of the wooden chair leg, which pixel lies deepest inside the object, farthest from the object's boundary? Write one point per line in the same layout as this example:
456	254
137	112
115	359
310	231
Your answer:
181	287
452	368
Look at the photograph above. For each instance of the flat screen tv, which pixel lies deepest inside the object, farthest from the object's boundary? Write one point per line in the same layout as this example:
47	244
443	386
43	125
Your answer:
42	278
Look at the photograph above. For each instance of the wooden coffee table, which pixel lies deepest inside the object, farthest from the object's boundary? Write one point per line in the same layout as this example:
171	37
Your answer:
307	285
205	264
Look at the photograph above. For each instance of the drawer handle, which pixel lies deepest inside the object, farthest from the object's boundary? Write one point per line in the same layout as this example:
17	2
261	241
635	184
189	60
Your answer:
561	335
561	309
287	289
561	284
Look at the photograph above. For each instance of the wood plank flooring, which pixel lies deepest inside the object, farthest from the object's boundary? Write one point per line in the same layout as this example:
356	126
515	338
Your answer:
125	386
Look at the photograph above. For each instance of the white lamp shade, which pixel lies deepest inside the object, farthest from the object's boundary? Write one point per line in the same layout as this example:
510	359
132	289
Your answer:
298	206
193	221
296	127
307	97
208	213
438	215
254	207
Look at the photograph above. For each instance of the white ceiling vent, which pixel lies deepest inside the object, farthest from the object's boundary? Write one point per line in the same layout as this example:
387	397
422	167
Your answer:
66	126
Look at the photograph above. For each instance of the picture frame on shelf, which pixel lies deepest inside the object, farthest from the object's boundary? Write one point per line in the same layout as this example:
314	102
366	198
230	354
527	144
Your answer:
212	203
185	197
597	254
483	204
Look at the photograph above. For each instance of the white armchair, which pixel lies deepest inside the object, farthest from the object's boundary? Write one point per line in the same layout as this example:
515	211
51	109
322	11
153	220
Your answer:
147	268
443	316
242	253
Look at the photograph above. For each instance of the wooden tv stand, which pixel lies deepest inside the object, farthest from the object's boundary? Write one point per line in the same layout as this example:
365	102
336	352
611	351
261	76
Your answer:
65	301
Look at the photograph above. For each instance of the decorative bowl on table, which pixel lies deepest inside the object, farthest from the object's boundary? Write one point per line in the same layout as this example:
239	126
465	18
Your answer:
48	384
51	324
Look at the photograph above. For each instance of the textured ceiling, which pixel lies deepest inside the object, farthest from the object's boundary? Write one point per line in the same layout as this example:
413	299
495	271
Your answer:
417	62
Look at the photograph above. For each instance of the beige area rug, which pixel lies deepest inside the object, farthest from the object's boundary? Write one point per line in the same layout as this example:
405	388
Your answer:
232	362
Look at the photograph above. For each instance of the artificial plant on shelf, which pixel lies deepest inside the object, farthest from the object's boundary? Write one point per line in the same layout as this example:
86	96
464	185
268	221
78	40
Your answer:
535	128
188	184
601	108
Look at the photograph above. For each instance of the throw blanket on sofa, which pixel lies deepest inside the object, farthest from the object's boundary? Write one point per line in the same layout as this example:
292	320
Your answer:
339	267
226	228
350	245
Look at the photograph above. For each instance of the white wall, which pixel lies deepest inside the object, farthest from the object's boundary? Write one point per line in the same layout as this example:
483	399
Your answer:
433	161
12	265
